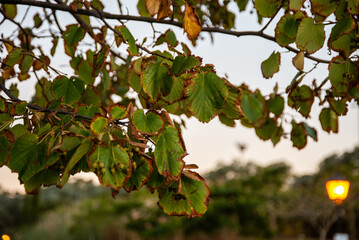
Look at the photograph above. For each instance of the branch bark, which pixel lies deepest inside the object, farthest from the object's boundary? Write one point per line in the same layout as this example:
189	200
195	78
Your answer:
107	15
49	110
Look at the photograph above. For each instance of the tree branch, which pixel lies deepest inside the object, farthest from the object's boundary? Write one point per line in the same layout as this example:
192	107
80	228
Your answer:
49	110
107	15
19	25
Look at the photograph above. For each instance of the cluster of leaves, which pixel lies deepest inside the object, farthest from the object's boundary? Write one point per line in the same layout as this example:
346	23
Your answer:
73	123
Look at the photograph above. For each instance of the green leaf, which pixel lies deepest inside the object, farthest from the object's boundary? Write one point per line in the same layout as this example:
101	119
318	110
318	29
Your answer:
10	10
26	64
343	44
171	38
298	135
4	149
3	105
142	10
338	106
73	35
286	30
254	108
99	124
276	136
99	60
266	131
295	5
310	35
329	120
141	171
24	157
89	111
169	153
271	65
301	99
127	36
43	129
19	108
117	112
19	130
156	180
342	36
55	41
149	123
231	107
177	90
342	75
206	95
182	64
265	8
14	57
97	4
84	71
344	25
353	6
81	151
276	105
135	81
90	97
242	4
156	81
323	7
46	177
68	89
311	132
191	199
37	20
226	121
69	143
111	164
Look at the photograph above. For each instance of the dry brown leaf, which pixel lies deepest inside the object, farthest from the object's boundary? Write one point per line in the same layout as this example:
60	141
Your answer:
87	4
191	23
167	117
37	65
153	6
164	9
191	166
191	175
137	144
73	6
298	61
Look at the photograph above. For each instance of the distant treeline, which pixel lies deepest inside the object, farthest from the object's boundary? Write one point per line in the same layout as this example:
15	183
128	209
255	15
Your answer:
247	201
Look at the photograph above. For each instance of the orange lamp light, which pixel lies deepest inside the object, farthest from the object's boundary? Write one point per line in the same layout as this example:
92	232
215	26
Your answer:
337	190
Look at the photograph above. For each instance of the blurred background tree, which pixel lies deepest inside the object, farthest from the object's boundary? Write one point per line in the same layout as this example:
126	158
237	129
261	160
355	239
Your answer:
247	201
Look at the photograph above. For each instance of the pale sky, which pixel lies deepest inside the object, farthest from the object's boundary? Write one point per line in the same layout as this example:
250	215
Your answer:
240	59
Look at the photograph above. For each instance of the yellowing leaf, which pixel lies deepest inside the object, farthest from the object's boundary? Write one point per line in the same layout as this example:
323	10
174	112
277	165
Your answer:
298	61
153	6
191	23
99	124
164	9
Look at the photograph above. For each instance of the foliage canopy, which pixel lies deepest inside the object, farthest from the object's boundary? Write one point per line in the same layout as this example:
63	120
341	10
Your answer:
86	119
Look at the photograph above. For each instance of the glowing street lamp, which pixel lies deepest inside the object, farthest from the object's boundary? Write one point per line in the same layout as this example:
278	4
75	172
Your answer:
337	190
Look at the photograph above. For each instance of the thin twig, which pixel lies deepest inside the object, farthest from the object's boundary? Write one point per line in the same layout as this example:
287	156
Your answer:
106	15
27	11
49	110
137	45
58	72
19	25
265	26
56	21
